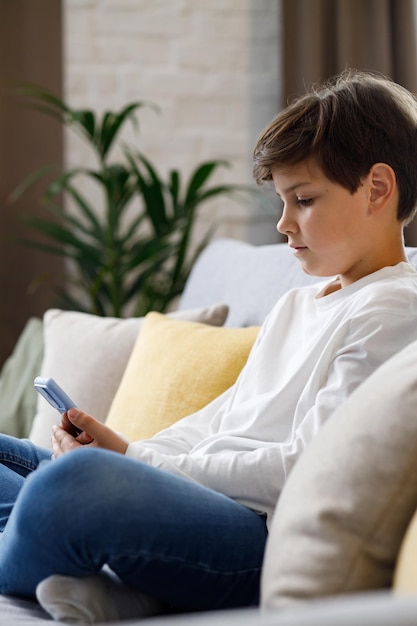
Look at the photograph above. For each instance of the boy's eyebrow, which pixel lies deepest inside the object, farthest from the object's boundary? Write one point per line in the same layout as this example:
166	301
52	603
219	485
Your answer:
295	186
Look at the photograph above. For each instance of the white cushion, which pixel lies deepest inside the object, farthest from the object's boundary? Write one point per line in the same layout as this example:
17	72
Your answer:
87	356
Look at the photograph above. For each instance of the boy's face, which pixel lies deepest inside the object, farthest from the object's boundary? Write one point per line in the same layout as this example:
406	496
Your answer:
327	226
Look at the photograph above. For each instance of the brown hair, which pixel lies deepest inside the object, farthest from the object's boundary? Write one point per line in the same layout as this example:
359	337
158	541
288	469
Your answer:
347	124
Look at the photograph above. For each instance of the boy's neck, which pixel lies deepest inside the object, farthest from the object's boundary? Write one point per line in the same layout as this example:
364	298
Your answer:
335	285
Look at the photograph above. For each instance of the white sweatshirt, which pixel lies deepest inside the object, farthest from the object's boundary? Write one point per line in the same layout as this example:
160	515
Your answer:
311	353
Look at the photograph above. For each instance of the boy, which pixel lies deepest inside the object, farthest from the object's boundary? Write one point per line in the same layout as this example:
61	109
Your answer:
183	517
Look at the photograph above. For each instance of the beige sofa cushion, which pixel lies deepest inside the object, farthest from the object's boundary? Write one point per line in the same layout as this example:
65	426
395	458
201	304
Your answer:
87	356
346	506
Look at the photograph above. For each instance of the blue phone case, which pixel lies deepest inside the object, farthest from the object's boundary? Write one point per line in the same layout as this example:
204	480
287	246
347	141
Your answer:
53	393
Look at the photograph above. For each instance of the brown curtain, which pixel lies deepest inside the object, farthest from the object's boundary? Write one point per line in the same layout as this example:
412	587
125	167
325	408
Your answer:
30	51
323	37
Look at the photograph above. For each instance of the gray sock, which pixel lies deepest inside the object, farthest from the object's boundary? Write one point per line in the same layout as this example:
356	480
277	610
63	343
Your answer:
93	599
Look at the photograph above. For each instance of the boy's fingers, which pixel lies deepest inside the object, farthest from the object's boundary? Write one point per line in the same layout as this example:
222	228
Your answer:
81	420
84	438
103	436
62	441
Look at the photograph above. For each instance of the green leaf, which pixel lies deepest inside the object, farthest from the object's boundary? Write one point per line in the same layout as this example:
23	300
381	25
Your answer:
212	192
111	124
30	180
85	120
85	209
200	177
36	96
151	188
174	186
64	237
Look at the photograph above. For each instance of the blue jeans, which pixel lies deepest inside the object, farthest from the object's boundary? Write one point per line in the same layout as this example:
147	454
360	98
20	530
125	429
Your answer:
166	536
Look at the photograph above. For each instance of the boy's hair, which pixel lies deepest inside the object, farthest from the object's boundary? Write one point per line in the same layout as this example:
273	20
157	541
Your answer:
347	125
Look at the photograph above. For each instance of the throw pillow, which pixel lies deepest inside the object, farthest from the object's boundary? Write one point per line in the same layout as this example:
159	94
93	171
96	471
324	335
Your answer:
405	575
17	396
87	355
343	513
176	368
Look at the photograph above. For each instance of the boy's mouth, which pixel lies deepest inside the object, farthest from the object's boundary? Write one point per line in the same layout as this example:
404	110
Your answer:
297	248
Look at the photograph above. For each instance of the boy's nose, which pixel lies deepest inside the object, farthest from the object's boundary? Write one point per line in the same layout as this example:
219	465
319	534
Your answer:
285	224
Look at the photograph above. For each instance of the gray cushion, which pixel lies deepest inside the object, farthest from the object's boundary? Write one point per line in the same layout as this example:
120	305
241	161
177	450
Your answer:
249	279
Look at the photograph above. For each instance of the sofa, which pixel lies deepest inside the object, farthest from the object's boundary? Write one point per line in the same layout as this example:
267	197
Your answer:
344	535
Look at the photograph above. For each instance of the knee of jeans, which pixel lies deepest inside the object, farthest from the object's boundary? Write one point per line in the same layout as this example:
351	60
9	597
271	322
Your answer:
61	484
78	464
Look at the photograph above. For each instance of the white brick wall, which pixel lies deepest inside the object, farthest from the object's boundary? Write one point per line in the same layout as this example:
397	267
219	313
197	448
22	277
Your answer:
210	65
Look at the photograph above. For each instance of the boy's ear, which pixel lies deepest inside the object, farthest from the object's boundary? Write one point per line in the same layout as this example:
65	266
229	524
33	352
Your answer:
383	185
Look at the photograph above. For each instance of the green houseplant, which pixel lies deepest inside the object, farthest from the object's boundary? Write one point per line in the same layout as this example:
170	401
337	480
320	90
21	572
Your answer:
136	260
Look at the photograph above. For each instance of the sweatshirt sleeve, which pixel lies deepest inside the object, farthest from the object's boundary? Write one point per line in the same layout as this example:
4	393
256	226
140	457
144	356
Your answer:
253	477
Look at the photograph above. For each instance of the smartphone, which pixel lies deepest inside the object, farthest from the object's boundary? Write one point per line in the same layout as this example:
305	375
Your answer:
52	392
56	396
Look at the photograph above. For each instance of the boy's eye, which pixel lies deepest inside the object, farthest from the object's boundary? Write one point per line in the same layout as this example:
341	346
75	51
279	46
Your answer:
304	202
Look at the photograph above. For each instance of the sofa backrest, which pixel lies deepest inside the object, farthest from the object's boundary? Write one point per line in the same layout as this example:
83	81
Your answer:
248	278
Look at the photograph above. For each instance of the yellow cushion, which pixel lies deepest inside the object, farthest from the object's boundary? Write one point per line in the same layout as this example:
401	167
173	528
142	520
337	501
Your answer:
405	575
176	367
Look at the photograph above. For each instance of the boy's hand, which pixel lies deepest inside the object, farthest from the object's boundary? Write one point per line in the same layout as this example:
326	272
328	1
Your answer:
94	434
69	426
